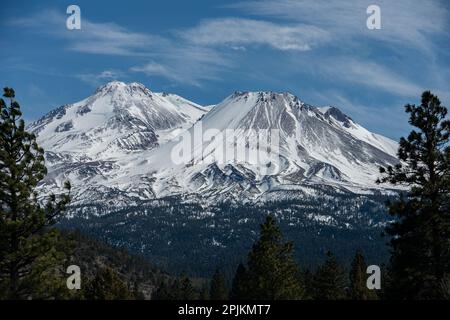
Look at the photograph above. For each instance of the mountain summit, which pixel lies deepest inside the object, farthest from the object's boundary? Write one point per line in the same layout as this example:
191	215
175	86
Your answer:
117	117
117	143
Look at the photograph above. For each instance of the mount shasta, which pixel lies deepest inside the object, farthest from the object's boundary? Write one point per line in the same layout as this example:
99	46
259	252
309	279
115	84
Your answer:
115	148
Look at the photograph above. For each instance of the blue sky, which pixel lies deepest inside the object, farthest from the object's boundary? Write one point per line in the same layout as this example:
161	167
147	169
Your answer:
204	50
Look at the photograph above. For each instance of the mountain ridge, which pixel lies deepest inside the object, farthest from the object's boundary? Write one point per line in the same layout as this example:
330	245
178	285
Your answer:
120	140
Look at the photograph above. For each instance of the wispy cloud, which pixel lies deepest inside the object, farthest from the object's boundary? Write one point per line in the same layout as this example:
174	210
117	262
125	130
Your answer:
403	22
187	64
96	38
172	58
329	39
113	40
96	79
35	91
371	75
156	69
245	32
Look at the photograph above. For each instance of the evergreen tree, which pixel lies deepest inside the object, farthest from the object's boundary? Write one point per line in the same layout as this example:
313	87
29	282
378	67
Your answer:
308	282
136	293
107	285
272	272
184	289
178	289
162	292
204	293
27	245
238	287
329	280
420	261
358	279
218	289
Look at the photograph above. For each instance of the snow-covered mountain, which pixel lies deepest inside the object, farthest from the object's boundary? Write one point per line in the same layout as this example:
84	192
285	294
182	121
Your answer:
115	119
118	144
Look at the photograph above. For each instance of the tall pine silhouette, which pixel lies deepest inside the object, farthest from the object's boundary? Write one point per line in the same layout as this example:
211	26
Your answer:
239	284
358	279
420	261
329	280
184	289
178	289
27	245
272	273
107	285
218	289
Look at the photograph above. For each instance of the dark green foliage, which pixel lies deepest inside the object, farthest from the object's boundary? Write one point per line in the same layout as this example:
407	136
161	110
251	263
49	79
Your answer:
28	257
204	293
420	262
178	289
308	282
136	292
107	285
162	292
272	273
235	226
218	289
185	290
238	287
93	256
358	280
329	280
33	256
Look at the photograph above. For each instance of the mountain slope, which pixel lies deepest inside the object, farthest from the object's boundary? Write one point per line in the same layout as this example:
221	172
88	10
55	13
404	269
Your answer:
315	147
117	117
85	140
119	145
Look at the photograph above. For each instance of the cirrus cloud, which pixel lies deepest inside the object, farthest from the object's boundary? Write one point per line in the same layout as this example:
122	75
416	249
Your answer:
239	32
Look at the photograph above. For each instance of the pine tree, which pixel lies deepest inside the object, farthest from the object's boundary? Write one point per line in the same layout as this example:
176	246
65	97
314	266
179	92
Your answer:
204	293
107	285
420	261
136	293
308	283
272	273
218	289
329	280
185	290
358	279
26	242
238	287
178	289
162	292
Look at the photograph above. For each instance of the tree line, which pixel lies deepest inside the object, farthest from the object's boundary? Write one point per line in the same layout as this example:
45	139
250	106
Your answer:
271	273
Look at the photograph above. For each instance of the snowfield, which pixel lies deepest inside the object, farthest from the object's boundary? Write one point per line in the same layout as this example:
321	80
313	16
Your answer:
117	146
